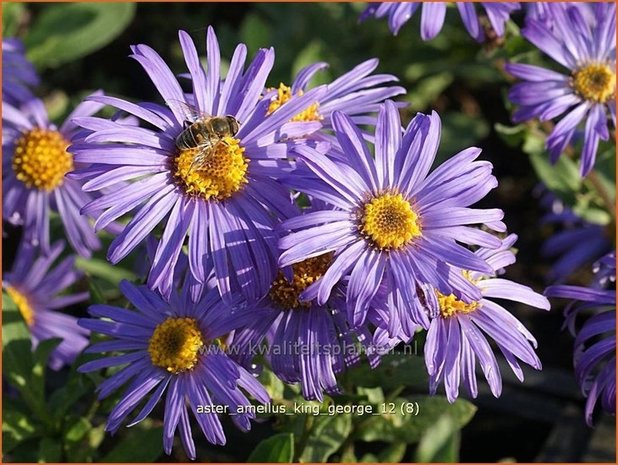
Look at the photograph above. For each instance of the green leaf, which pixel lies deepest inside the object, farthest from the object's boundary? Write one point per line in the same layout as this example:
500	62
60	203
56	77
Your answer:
16	345
394	370
400	426
440	443
40	357
63	398
141	444
561	178
276	449
104	270
57	104
326	437
82	440
272	384
50	450
66	32
84	448
458	132
255	33
76	431
427	90
592	214
512	135
373	395
392	453
96	294
12	17
312	53
17	425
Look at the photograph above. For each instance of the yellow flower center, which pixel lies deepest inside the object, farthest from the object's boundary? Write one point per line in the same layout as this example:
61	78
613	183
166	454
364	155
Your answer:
22	304
284	94
217	174
389	221
451	305
285	293
41	160
595	82
175	344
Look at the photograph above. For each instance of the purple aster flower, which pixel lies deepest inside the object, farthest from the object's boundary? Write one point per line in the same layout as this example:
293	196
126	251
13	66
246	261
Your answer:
35	286
586	94
540	11
34	164
307	343
229	207
595	342
19	73
577	243
433	13
395	223
174	349
355	93
458	332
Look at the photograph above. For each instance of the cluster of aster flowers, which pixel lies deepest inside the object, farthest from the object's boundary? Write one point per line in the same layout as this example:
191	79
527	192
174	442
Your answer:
317	231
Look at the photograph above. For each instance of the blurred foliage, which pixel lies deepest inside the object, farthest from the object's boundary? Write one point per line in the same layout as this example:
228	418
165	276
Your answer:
69	31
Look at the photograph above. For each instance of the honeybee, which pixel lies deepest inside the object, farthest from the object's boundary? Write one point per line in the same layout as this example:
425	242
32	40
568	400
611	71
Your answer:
205	133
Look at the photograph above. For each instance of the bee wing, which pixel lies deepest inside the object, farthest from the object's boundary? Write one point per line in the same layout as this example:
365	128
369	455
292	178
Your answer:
200	160
190	111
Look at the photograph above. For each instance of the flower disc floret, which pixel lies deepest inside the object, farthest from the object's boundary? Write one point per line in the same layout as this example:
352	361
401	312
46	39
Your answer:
222	173
284	94
451	305
389	221
595	82
175	344
40	160
285	294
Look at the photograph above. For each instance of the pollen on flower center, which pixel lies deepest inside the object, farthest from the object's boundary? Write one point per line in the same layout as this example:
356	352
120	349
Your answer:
23	305
389	221
595	82
175	344
284	94
41	160
217	174
285	293
451	305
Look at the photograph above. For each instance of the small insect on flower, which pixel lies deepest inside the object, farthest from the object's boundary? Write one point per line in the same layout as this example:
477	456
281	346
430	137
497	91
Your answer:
204	133
213	177
36	287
